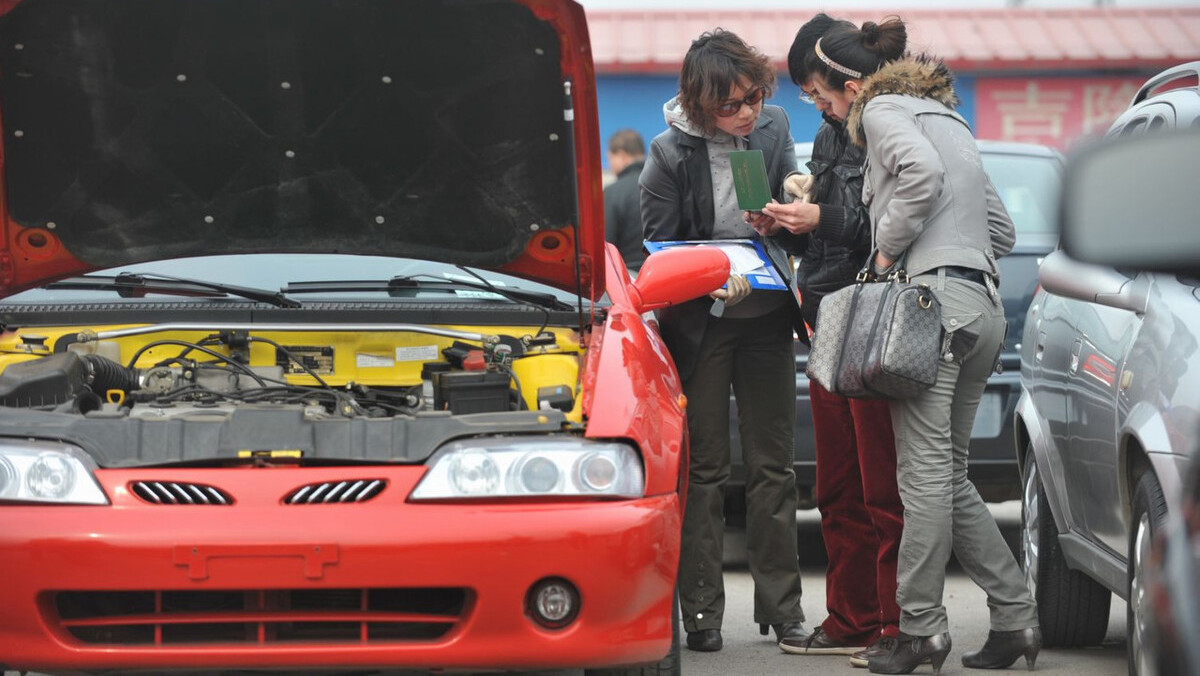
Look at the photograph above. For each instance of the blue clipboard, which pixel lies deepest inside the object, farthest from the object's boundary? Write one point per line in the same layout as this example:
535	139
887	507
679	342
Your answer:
764	276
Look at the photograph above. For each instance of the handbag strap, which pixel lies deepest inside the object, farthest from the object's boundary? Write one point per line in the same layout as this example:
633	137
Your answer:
898	273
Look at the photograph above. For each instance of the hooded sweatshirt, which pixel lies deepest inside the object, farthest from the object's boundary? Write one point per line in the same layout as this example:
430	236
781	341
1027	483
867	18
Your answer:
727	216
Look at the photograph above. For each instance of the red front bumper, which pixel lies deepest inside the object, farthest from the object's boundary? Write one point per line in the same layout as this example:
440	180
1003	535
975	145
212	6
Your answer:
622	557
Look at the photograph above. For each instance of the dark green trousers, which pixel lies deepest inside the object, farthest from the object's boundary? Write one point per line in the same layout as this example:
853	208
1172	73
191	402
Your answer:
755	357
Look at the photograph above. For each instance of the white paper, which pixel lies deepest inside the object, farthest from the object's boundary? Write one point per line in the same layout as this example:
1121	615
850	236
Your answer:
743	258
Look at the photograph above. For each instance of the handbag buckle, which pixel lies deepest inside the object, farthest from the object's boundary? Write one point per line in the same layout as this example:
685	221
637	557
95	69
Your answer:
899	276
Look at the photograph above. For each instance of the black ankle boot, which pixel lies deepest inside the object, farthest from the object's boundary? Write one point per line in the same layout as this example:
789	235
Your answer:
1002	648
909	651
705	640
792	630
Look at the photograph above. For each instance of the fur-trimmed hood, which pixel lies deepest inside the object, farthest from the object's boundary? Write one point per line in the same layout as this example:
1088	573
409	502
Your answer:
922	76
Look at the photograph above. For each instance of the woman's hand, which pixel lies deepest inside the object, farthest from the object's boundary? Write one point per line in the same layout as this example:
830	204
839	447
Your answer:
763	224
797	217
735	291
881	264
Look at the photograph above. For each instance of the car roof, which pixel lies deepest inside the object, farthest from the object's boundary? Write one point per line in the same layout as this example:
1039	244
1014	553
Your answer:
1184	100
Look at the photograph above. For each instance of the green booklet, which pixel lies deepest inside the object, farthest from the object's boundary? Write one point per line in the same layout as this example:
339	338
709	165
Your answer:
750	179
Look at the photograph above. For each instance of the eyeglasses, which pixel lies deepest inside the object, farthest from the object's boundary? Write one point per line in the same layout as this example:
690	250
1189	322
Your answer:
731	108
811	97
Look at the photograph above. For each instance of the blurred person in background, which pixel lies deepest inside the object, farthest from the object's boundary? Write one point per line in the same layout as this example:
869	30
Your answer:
742	339
622	198
861	513
932	205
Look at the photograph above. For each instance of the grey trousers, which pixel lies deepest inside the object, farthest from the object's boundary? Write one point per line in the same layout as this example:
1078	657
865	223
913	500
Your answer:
942	510
755	357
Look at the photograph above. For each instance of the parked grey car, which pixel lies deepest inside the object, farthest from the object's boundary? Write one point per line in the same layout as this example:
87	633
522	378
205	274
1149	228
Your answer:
1105	426
1027	178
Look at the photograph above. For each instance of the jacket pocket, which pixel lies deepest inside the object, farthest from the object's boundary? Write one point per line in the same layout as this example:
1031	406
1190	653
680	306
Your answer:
962	334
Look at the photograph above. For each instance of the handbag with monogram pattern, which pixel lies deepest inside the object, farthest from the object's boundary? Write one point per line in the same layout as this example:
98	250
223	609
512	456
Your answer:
877	339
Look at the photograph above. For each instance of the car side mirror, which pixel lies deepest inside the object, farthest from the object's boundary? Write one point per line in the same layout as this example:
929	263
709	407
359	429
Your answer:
1131	202
678	274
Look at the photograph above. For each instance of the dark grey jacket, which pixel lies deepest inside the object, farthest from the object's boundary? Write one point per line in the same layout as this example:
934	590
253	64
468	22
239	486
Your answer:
623	215
677	204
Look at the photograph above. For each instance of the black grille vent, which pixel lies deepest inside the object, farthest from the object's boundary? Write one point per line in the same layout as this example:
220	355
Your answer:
215	620
326	492
177	493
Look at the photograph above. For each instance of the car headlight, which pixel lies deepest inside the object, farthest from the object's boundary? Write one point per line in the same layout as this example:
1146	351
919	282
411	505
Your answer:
46	471
506	467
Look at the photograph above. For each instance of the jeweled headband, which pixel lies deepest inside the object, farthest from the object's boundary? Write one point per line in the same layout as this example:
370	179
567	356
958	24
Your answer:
834	64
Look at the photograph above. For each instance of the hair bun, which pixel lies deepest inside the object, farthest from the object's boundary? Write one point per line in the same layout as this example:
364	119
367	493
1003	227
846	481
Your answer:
870	33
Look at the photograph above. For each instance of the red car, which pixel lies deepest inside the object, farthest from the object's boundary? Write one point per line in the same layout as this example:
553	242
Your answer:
313	355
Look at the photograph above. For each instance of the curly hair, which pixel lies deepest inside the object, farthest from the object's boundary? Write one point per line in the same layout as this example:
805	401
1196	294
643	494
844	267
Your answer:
714	63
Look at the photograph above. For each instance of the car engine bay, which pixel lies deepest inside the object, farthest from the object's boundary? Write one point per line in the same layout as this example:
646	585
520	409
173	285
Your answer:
172	393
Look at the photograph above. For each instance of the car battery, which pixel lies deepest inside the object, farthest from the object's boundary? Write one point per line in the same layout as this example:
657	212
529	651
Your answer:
470	391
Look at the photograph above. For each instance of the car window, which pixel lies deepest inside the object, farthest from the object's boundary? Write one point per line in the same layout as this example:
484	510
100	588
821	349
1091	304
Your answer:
1134	127
1028	185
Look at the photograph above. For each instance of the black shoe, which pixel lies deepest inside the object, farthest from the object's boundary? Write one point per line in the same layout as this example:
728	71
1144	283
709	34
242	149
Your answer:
792	630
818	643
705	640
909	651
1002	648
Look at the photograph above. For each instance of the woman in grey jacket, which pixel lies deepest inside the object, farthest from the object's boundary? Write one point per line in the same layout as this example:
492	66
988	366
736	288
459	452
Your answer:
933	208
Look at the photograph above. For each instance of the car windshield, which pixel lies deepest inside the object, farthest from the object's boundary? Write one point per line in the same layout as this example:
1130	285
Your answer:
1028	185
324	273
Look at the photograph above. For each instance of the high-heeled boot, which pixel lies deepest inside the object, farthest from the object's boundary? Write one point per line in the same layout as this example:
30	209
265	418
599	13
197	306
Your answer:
1002	648
909	651
792	630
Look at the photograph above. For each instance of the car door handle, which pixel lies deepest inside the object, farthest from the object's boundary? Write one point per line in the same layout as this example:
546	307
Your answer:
1039	348
1076	348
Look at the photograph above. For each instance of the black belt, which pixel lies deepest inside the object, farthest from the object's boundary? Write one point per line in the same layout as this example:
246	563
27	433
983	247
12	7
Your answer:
969	274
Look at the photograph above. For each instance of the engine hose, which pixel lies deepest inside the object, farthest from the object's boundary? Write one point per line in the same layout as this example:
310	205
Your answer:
109	375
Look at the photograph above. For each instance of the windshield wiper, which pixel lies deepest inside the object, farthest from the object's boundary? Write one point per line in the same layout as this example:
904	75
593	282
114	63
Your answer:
399	285
132	285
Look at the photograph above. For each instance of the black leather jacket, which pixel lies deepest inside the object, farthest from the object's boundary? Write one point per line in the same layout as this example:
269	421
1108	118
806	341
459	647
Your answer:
839	247
677	204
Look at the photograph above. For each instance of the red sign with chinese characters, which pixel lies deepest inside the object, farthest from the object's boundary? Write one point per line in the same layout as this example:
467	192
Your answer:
1052	111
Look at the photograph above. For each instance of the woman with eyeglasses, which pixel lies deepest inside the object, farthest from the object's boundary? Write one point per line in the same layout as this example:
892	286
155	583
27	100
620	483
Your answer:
933	208
688	194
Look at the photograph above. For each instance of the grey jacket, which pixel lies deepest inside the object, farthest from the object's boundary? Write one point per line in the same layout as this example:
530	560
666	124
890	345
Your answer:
923	179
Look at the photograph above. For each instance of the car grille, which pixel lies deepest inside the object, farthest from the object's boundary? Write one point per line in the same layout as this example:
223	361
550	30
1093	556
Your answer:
262	617
353	490
177	493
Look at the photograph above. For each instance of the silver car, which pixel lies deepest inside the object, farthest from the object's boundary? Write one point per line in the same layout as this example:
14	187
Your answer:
1110	373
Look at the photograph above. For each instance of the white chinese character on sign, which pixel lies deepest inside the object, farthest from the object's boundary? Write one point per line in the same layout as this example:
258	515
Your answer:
1103	103
1032	114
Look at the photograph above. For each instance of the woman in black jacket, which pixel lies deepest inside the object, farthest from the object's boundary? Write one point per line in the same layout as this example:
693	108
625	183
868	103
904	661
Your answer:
861	513
688	194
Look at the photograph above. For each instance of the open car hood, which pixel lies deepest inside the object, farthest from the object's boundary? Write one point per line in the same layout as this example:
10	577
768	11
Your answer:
138	130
